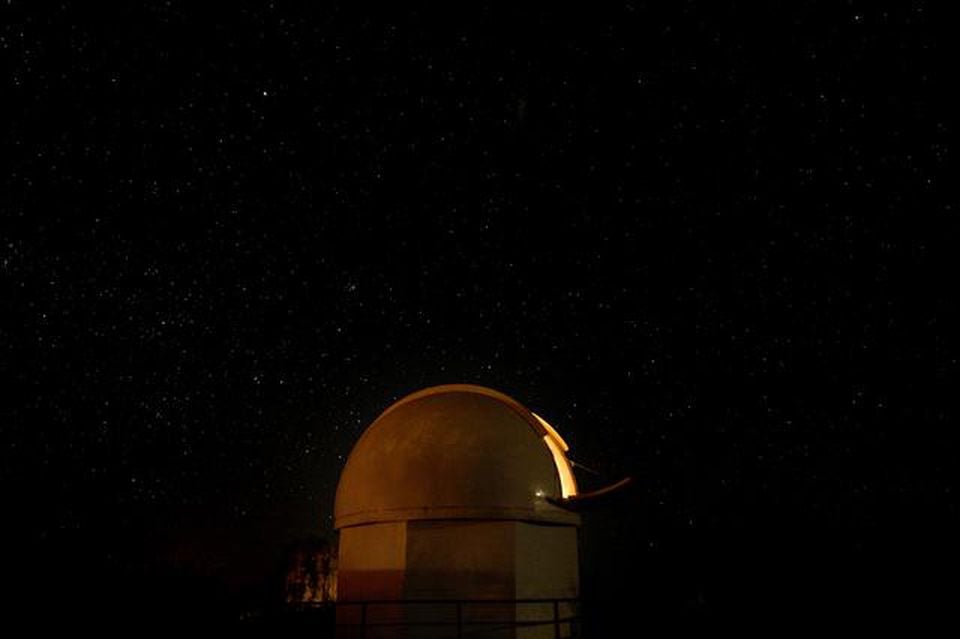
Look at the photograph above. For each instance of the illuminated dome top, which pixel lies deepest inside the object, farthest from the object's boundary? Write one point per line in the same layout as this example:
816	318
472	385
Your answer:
456	452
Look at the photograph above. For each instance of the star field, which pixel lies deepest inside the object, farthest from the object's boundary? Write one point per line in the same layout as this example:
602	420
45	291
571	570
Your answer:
706	243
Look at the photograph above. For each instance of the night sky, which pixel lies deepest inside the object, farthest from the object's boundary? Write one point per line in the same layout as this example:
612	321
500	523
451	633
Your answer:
712	245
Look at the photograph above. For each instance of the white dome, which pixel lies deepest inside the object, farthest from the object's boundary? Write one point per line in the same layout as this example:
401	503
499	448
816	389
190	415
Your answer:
455	452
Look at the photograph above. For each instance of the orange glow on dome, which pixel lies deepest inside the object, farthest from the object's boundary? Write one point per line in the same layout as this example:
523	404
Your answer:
553	433
568	484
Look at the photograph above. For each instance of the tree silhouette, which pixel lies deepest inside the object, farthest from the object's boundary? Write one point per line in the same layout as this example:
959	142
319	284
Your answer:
311	576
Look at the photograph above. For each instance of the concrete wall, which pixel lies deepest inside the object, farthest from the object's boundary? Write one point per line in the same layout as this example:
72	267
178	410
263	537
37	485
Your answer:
459	559
372	567
546	566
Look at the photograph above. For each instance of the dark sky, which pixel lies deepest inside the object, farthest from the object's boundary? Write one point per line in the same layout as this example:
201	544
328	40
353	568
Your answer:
707	243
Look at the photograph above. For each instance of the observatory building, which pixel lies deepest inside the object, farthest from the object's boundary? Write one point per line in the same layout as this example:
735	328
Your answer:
452	522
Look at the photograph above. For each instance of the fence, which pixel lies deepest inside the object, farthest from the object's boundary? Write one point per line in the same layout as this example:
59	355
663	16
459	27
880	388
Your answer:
461	617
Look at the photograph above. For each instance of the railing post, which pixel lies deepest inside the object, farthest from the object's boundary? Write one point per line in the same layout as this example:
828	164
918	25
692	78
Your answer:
556	618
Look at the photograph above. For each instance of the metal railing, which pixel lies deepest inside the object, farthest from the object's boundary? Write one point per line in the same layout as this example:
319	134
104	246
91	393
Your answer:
404	613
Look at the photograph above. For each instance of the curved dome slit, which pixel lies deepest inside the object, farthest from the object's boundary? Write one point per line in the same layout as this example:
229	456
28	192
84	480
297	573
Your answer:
558	449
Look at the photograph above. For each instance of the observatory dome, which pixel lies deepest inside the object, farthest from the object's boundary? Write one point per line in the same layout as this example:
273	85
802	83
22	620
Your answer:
456	452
